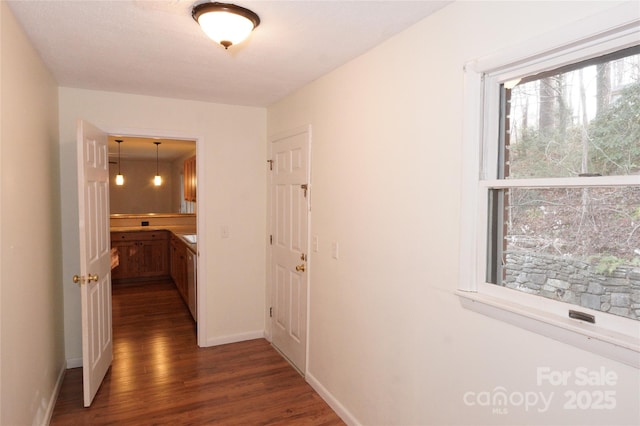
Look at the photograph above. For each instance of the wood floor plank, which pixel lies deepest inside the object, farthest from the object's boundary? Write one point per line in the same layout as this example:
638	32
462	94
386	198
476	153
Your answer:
159	375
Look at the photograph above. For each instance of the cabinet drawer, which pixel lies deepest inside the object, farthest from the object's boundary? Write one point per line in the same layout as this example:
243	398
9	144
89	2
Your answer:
139	236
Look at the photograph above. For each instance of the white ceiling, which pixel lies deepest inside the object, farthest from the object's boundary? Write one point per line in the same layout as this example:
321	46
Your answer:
154	47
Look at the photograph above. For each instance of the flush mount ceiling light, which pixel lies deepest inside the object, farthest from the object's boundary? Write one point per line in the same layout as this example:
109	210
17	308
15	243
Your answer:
119	177
157	180
225	23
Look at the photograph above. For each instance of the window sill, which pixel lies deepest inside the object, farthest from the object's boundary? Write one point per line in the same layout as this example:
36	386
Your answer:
615	346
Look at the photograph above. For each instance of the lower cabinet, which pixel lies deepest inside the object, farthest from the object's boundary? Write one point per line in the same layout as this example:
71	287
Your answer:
183	272
192	283
179	264
141	255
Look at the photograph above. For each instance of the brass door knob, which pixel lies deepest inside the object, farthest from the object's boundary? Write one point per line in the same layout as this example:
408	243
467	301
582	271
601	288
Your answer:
81	280
300	268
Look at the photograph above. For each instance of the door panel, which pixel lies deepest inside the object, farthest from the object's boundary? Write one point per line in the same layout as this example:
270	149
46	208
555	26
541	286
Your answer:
95	257
289	249
296	326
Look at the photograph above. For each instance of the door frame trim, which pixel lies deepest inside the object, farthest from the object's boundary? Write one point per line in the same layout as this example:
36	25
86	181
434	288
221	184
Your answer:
200	210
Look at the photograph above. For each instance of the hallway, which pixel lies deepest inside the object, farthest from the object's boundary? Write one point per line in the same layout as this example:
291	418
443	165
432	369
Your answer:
160	376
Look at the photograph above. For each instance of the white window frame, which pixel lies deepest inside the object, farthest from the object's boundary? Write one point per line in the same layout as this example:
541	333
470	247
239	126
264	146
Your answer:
612	336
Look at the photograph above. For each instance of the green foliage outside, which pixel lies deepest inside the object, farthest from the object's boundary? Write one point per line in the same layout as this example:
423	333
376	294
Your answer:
615	136
597	224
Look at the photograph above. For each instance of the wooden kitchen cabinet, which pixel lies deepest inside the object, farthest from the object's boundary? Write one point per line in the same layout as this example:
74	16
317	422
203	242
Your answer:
190	179
192	283
183	272
179	265
127	261
141	255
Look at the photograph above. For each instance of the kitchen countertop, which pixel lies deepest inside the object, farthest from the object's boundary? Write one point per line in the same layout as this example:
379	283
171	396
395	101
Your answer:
177	230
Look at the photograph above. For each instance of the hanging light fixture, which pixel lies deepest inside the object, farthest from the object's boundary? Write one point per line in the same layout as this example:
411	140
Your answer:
225	23
157	180
119	177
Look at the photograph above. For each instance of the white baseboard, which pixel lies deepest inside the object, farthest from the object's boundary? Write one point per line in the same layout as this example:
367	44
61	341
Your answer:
74	363
233	338
340	410
54	395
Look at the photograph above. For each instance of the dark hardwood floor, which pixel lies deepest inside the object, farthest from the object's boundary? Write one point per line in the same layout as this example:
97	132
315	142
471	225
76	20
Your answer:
160	376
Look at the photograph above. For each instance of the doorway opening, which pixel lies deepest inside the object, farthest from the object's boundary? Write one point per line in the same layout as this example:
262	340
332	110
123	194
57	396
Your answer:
153	214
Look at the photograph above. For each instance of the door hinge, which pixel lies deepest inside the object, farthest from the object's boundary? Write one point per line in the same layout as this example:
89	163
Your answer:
305	187
270	312
270	239
270	164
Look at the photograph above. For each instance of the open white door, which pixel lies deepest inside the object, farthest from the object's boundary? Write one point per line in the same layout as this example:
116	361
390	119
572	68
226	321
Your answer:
289	246
95	264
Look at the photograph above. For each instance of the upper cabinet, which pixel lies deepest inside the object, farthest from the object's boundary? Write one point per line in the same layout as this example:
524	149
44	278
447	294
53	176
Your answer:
190	179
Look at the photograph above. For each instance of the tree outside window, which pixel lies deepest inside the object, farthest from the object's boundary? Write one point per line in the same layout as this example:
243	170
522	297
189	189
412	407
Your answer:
574	243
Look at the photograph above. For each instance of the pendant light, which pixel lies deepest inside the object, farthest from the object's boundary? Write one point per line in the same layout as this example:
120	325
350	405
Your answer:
157	180
225	23
119	177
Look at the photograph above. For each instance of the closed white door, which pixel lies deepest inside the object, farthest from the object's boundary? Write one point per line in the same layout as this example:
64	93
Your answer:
289	245
95	259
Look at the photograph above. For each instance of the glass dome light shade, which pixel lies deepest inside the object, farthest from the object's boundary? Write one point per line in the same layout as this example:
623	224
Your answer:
226	24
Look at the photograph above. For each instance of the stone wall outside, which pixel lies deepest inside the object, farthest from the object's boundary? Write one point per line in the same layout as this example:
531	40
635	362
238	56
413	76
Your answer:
575	281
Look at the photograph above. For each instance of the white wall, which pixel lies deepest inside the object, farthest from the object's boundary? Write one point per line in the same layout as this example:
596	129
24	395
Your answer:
31	306
139	194
231	154
389	341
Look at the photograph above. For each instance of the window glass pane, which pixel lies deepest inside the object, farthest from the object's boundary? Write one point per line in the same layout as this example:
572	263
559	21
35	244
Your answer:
582	120
576	245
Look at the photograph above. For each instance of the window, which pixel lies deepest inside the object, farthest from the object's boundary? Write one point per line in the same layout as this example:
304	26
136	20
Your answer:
574	240
551	225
